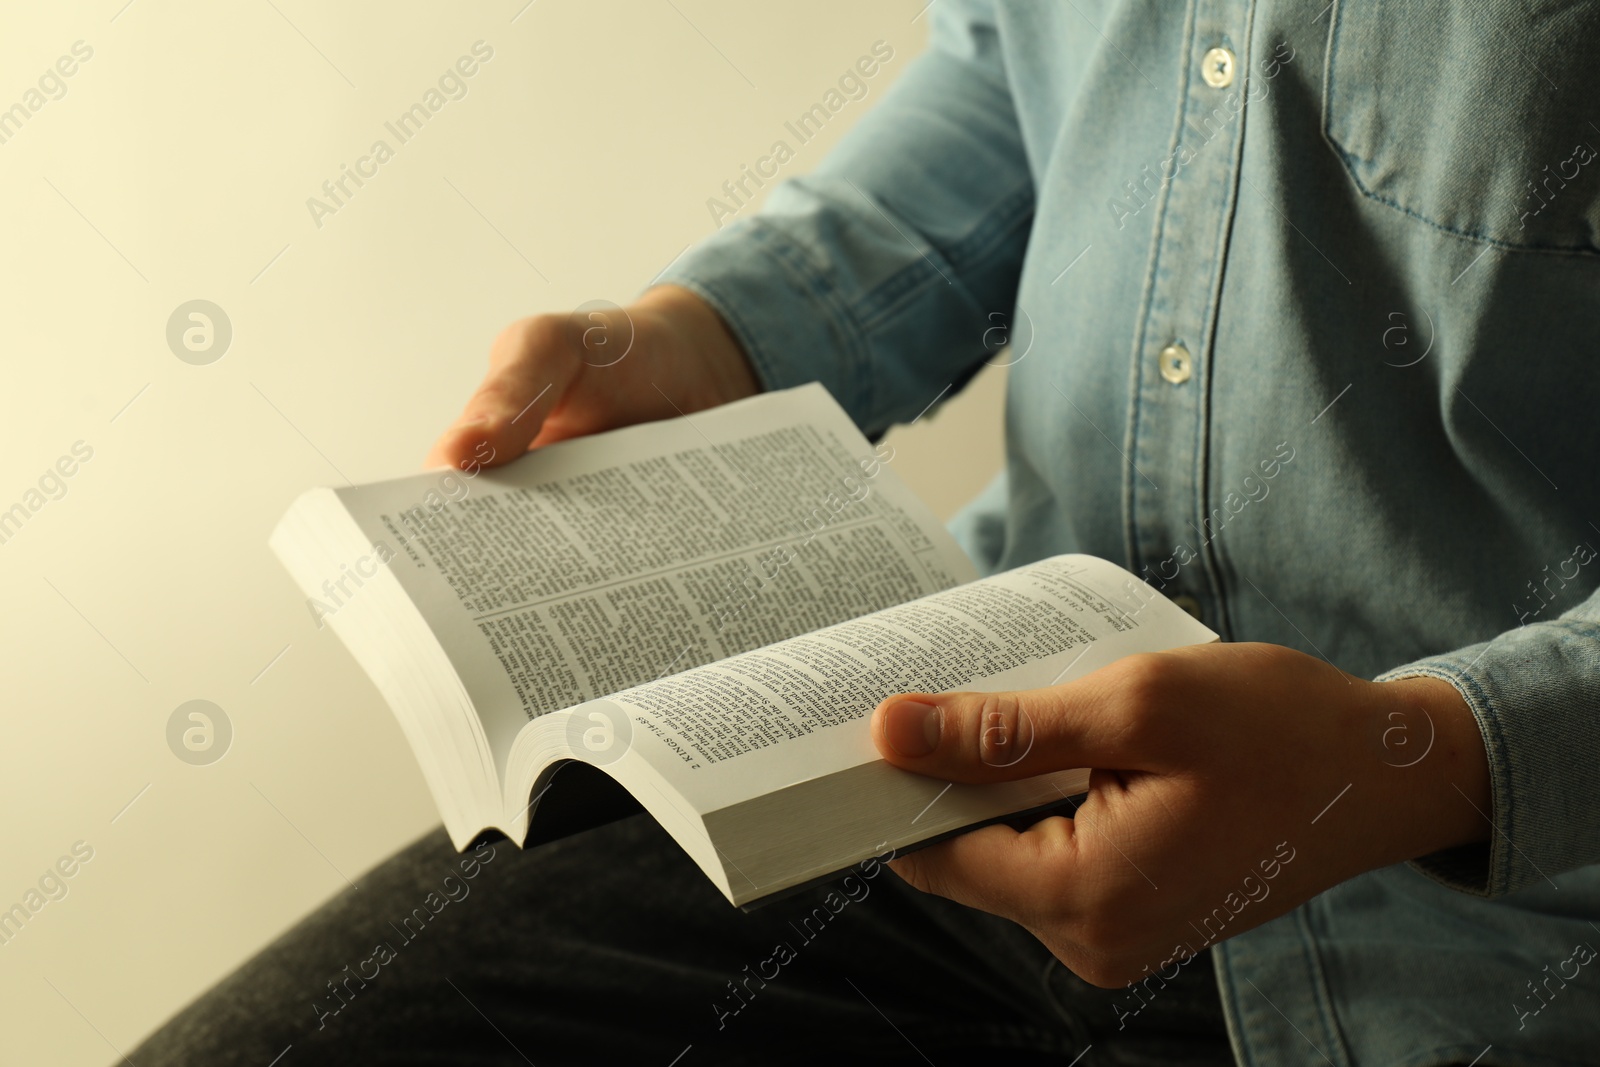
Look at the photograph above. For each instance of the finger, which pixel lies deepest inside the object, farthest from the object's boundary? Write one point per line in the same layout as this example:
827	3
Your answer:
531	368
993	737
1023	876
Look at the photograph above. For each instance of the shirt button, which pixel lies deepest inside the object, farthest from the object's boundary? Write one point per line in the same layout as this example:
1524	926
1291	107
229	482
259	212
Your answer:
1217	68
1189	604
1175	364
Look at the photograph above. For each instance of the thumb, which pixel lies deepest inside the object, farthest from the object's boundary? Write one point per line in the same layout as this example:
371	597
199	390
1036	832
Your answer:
532	364
996	737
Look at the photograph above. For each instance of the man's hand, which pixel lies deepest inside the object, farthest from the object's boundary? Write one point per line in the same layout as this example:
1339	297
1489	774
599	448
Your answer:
1232	782
557	376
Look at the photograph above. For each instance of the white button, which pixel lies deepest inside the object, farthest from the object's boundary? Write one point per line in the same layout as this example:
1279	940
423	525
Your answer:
1175	364
1189	604
1217	68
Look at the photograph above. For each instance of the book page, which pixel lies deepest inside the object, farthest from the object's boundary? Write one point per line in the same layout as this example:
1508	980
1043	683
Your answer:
762	720
595	564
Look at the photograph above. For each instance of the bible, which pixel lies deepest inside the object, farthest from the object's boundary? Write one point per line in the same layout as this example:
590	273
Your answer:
696	617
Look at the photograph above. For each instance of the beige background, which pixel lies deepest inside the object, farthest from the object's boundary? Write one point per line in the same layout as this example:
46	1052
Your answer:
176	166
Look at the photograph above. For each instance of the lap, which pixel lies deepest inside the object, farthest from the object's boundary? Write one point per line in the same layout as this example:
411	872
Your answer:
611	946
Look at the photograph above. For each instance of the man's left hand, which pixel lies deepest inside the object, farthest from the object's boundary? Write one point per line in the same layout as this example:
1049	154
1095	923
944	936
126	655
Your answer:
1231	783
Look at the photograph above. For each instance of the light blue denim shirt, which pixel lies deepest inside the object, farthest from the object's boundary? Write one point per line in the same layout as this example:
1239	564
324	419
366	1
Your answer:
1352	244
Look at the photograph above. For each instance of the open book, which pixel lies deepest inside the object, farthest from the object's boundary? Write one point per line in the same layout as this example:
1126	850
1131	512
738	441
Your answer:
705	611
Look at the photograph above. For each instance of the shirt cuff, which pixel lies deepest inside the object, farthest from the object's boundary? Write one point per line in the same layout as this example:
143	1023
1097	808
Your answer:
794	327
1535	692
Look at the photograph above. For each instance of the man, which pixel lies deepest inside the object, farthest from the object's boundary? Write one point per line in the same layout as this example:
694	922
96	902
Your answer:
1300	298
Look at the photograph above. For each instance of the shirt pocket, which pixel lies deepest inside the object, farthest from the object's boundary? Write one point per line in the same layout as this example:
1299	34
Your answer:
1481	119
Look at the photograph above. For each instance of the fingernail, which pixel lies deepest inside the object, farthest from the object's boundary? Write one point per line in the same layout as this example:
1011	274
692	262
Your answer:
911	727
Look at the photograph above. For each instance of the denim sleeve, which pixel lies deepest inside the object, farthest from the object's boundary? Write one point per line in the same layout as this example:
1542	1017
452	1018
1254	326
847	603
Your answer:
1535	691
876	273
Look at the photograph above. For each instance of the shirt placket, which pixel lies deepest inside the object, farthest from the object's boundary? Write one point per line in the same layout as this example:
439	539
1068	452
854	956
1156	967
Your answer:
1168	523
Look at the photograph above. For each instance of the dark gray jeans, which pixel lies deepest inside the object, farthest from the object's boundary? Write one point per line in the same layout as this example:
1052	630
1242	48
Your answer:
611	947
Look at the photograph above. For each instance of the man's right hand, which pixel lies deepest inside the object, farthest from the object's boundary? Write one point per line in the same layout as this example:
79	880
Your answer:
552	377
